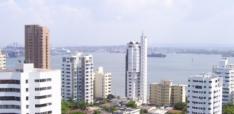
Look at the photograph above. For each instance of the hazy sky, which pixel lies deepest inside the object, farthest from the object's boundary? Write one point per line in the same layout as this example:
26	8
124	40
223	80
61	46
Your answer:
115	22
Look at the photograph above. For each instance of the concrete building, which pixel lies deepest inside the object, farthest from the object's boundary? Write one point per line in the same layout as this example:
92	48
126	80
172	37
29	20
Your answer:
204	94
37	48
2	61
166	94
78	78
160	94
127	111
136	71
69	76
102	83
226	71
27	90
178	93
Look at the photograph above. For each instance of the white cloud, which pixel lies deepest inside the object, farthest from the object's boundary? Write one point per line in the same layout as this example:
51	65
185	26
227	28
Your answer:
117	21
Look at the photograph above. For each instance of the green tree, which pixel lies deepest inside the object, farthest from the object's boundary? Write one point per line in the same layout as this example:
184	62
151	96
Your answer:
180	106
78	113
110	97
143	111
66	106
82	105
228	109
131	104
97	112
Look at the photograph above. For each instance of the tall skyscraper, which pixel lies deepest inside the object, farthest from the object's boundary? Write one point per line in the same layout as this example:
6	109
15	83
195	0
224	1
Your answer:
226	71
136	70
37	48
102	85
204	94
27	90
2	61
78	78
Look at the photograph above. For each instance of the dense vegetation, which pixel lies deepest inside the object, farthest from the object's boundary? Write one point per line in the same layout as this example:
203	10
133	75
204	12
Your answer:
228	109
71	105
131	104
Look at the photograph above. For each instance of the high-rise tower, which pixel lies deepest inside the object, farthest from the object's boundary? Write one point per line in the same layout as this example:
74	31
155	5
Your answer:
225	70
78	78
136	70
37	49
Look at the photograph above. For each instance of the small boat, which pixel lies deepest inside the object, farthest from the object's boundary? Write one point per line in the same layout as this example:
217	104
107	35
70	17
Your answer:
157	55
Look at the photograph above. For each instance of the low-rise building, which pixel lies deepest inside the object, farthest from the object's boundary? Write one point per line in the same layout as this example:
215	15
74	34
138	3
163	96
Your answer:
178	93
127	111
166	94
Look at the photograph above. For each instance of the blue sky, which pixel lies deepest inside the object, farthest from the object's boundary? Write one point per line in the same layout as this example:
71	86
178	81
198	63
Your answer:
115	22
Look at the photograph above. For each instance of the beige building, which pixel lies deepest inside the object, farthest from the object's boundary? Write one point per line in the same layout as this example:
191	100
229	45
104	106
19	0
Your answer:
165	93
102	83
37	48
2	61
178	93
160	93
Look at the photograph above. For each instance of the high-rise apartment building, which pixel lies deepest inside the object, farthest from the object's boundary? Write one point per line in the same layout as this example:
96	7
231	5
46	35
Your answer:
2	61
102	83
85	77
78	78
166	94
37	48
204	94
69	76
226	71
27	90
136	71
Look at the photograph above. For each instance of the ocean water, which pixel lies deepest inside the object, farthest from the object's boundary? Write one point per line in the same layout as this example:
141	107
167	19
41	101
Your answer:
175	67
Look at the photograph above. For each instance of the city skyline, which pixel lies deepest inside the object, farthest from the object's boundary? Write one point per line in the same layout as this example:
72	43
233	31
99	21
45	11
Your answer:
113	22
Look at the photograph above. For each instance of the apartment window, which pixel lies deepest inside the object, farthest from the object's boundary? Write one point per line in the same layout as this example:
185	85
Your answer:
9	90
9	98
27	98
47	112
43	88
9	107
43	80
9	82
43	105
42	97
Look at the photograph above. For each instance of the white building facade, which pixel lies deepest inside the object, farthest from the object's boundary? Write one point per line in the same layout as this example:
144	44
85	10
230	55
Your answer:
69	77
136	71
27	90
204	94
102	83
78	78
85	77
2	61
226	71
